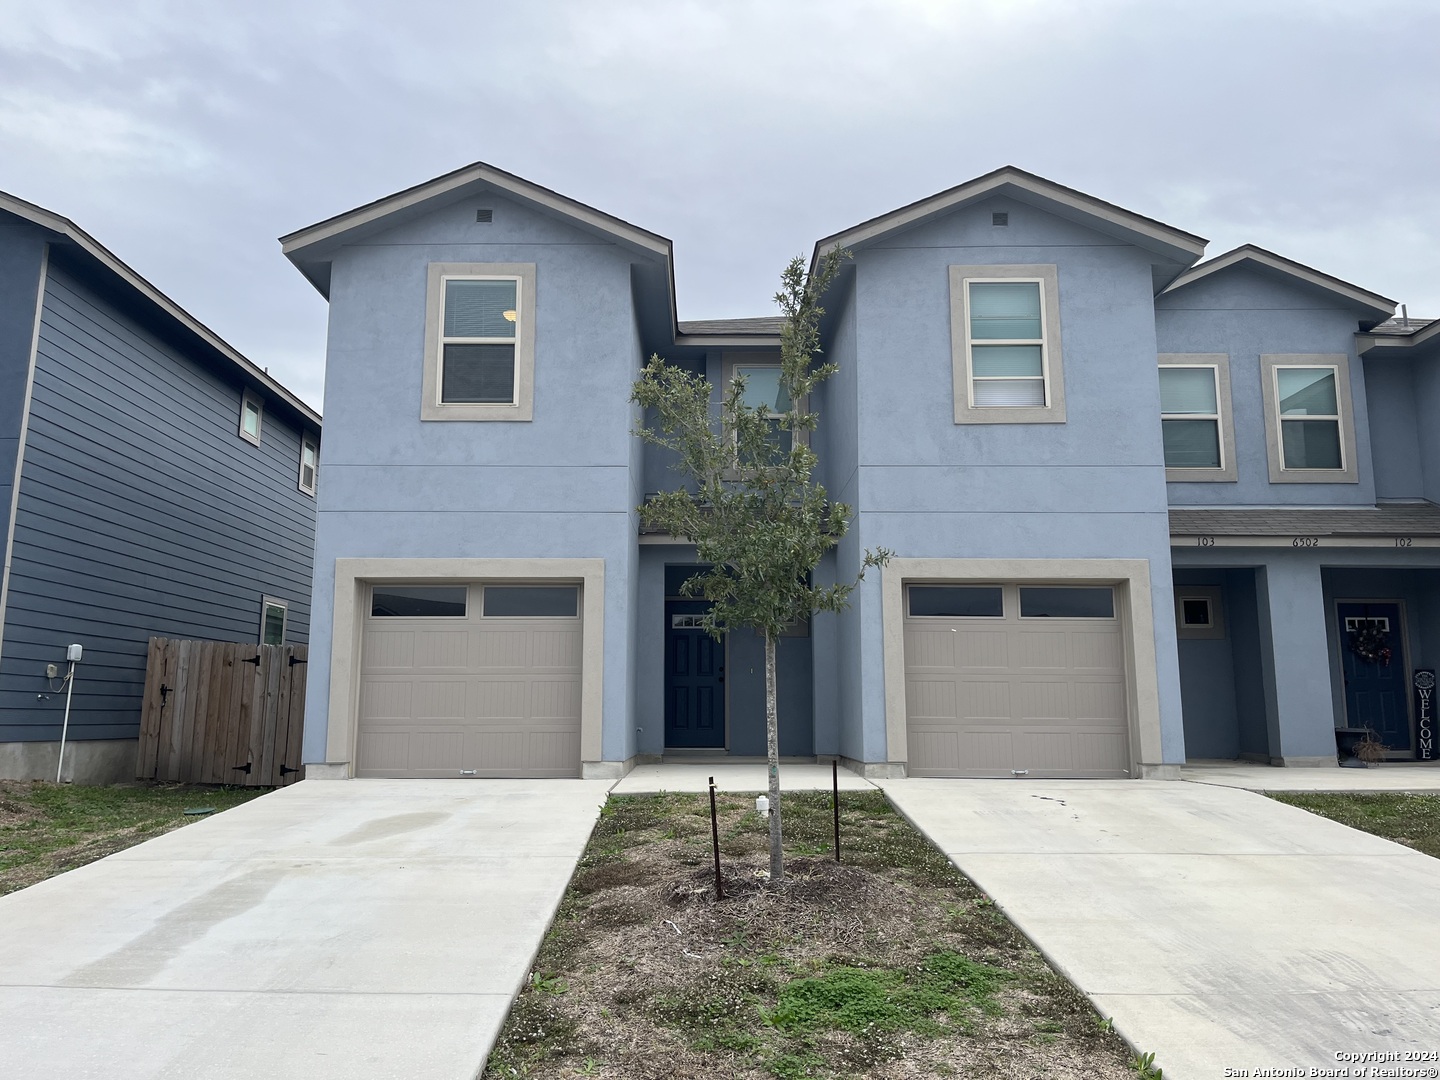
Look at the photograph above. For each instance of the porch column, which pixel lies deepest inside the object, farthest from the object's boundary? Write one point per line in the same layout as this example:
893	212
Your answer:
1301	713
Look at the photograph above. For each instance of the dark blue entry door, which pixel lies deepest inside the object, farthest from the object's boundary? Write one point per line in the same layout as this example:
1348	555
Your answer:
694	679
1372	657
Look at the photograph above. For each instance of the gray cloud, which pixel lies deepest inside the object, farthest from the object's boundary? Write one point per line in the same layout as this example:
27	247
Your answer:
186	137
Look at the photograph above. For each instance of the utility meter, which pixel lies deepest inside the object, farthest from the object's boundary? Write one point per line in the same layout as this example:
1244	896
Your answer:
73	653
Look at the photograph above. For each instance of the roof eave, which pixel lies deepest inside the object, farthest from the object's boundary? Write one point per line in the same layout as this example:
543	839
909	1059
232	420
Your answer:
66	228
1268	260
1174	245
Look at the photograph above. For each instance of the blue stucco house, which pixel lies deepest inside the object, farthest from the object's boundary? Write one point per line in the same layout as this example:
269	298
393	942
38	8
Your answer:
1144	508
153	482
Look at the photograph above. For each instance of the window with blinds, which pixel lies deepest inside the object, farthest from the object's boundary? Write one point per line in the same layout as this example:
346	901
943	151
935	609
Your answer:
1309	418
1006	343
1190	417
479	322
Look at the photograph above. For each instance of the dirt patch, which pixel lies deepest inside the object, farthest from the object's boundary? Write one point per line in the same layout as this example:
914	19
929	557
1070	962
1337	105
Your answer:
890	964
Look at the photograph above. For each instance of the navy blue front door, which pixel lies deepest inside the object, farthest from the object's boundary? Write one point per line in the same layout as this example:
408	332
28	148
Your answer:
1372	658
694	680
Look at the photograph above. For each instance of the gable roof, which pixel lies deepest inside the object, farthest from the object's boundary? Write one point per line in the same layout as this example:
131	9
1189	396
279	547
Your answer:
312	247
1174	249
1251	257
97	255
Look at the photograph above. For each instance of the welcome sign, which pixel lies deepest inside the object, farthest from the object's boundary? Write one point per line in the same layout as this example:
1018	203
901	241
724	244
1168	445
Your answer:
1424	683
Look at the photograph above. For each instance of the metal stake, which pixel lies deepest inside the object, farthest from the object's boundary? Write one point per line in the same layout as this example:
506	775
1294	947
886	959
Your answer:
835	803
715	842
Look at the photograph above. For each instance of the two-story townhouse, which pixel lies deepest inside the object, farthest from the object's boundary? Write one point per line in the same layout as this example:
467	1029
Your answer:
1015	414
153	482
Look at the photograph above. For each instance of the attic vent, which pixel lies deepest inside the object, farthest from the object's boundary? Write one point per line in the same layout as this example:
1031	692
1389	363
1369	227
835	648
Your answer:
485	215
999	219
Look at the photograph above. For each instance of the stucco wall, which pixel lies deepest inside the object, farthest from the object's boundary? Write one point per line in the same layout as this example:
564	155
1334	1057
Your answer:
1247	315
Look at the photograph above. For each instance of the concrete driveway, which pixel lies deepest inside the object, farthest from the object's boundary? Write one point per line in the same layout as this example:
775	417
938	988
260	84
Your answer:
337	929
1220	929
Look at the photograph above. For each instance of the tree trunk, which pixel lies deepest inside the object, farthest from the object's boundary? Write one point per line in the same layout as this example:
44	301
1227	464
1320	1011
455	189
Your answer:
772	753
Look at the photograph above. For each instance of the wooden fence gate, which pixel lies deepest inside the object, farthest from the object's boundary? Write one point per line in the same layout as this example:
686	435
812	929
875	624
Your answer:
222	712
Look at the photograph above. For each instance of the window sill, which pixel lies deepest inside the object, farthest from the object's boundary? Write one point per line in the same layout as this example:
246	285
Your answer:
1200	476
996	414
475	412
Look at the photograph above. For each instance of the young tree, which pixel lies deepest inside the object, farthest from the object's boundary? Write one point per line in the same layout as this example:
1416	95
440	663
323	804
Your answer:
752	508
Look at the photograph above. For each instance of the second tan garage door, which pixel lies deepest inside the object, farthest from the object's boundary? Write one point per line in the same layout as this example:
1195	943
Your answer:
1015	679
470	680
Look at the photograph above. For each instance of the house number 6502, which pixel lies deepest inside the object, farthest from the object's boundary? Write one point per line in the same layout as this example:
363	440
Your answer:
1305	541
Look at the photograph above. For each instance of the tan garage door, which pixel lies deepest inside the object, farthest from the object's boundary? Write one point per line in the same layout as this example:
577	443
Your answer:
1015	679
470	680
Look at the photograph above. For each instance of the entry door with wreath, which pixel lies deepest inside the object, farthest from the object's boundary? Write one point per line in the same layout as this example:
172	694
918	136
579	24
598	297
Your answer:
1372	658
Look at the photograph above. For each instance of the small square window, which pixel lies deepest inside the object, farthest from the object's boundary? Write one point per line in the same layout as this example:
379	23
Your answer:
273	614
252	412
1198	612
309	463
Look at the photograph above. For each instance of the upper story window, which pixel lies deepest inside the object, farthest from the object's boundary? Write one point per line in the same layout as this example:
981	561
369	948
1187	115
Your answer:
1309	420
252	411
309	463
763	387
1195	420
479	342
1005	343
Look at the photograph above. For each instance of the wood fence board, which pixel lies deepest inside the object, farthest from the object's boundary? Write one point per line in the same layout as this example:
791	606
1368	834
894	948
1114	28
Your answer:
220	710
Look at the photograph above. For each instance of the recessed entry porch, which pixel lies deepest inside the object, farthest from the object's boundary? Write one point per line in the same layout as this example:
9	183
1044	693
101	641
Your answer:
1275	657
714	691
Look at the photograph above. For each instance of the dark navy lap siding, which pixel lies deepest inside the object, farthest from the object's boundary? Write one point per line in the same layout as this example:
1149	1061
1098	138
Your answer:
141	513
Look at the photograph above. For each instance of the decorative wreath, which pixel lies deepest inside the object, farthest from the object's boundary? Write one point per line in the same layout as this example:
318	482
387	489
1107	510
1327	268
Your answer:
1371	644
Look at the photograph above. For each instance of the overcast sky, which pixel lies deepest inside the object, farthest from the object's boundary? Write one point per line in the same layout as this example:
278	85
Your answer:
187	136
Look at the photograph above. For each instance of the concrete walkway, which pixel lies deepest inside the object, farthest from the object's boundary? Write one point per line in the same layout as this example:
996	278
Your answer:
746	776
370	929
1390	776
1220	929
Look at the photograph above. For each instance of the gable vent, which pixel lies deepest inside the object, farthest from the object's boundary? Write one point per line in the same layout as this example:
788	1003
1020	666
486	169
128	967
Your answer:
999	219
485	215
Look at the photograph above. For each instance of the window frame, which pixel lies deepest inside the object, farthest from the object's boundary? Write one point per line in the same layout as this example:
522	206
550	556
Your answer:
1349	472
369	606
1213	596
1051	354
247	398
1227	473
268	602
309	441
521	407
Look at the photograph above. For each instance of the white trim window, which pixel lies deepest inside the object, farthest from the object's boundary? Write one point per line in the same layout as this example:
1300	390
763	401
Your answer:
1005	345
1005	342
763	388
479	342
479	320
309	463
252	416
274	615
1190	416
1308	411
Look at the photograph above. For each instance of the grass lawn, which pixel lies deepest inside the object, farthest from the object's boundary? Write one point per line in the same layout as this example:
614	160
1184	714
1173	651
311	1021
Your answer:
1412	820
890	964
46	829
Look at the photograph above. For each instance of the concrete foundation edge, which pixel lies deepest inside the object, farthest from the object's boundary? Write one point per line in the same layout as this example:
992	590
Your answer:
875	770
92	761
1159	772
1328	761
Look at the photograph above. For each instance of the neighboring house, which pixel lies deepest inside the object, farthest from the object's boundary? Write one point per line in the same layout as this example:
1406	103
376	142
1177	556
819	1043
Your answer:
1140	508
152	482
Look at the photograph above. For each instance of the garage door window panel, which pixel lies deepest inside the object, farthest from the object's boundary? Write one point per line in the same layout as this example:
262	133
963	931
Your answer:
531	601
1066	602
419	601
957	601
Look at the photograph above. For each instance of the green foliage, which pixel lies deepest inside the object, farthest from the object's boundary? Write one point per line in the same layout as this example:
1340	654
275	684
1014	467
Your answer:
871	1001
753	510
1145	1067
